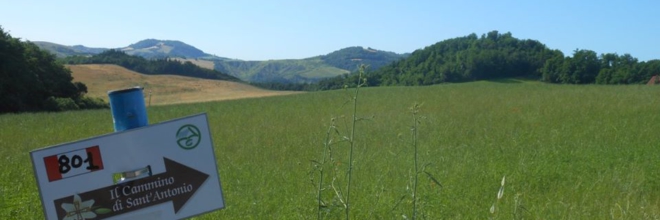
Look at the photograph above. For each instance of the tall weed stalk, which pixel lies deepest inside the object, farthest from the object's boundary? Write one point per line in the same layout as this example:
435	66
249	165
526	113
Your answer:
326	149
416	161
415	109
361	82
342	198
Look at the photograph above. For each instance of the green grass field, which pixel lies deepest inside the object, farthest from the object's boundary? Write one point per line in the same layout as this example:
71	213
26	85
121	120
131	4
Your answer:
568	152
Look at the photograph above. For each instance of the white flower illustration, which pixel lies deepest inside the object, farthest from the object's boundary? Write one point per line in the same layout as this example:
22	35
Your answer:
78	210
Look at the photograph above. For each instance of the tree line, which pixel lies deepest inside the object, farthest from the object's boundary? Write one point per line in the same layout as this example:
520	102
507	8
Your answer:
586	67
494	56
149	66
31	80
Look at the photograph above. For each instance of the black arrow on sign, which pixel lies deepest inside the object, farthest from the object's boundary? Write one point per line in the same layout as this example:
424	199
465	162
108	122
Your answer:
177	184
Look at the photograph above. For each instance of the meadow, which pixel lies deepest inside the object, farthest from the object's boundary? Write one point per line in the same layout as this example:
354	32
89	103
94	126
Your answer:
567	152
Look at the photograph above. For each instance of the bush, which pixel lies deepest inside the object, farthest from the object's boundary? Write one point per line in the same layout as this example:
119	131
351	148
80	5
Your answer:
91	103
60	104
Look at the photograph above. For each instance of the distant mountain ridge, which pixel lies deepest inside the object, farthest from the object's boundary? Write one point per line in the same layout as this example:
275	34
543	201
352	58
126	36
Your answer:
306	70
90	50
279	71
149	48
62	51
153	48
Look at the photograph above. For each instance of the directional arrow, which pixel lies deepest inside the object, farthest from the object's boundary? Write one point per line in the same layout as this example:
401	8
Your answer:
177	184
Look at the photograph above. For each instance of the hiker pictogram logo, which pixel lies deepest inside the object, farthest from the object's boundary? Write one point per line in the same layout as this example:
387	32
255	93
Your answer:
188	137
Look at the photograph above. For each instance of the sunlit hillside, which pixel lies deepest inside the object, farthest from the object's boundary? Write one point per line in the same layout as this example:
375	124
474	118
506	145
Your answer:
163	89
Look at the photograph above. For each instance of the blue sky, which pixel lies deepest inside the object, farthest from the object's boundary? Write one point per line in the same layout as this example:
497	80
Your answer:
288	29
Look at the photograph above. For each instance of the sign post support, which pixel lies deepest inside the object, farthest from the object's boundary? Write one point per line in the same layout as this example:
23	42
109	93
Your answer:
128	112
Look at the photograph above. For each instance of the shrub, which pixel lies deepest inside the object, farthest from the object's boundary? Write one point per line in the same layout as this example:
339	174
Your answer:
91	103
60	104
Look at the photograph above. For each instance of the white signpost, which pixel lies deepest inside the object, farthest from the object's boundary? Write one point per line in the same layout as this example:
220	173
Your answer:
169	172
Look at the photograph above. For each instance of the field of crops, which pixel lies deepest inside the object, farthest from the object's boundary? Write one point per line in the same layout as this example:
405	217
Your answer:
567	152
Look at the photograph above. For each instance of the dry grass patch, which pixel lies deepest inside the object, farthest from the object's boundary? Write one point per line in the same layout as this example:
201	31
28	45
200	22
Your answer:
164	89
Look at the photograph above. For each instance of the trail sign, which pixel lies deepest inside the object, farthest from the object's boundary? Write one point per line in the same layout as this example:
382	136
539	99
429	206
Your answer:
78	180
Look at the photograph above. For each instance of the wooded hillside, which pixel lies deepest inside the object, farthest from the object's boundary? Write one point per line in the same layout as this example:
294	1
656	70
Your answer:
494	56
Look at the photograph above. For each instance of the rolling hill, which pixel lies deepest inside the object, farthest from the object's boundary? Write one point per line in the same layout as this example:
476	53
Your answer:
153	48
306	70
149	48
65	51
279	71
162	89
350	58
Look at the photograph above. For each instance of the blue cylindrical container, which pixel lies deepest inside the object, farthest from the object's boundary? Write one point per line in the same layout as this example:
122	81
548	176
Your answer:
128	109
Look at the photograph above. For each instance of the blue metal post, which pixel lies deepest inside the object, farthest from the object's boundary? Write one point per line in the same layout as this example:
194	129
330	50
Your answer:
128	109
128	112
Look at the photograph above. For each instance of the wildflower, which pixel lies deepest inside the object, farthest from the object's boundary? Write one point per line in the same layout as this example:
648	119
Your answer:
78	210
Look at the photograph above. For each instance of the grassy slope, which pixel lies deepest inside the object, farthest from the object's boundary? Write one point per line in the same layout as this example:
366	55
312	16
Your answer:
568	152
164	89
199	62
259	71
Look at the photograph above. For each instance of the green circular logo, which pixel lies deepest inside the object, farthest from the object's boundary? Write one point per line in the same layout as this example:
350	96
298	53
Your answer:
188	137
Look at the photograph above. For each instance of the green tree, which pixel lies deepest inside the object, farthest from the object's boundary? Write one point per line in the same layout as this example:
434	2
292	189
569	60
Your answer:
585	66
552	68
29	77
